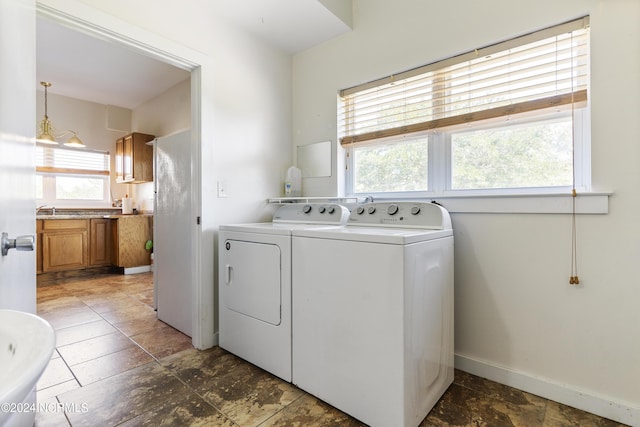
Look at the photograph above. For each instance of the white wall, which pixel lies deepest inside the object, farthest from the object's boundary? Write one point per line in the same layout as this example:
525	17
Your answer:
89	119
517	317
245	102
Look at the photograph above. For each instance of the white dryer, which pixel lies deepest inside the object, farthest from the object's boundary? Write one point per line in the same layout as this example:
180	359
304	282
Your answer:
373	312
255	283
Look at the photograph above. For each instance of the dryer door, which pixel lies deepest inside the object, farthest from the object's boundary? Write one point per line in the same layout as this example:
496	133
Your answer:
252	279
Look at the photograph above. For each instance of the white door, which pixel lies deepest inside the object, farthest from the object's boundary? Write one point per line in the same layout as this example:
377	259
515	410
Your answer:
172	230
17	162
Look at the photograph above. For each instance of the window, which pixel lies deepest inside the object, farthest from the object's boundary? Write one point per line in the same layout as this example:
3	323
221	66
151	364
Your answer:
504	118
72	177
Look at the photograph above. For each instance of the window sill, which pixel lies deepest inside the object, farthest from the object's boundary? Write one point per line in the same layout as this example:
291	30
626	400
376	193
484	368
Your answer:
548	203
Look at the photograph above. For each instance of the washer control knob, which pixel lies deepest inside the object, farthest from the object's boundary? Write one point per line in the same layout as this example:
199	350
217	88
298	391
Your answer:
322	209
415	210
371	210
306	209
392	209
331	209
360	210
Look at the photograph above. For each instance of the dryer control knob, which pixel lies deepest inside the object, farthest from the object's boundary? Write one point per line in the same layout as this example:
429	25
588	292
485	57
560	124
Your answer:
331	209
371	209
306	209
322	209
392	209
360	210
415	210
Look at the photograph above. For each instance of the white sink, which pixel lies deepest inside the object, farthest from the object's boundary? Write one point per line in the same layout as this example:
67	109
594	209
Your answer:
26	344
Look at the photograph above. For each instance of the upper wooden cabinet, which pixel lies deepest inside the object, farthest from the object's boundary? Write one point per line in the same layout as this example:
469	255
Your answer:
134	158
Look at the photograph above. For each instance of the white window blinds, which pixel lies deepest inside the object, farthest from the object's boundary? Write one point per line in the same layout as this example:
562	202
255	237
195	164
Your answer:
541	70
71	161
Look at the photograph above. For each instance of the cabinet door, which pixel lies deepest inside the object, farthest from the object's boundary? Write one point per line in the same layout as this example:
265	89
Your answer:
38	246
130	237
64	250
119	160
100	242
142	158
127	158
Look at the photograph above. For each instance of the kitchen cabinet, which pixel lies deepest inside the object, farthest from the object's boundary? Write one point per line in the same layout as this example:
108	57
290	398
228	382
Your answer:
134	158
39	246
64	244
119	159
130	235
100	239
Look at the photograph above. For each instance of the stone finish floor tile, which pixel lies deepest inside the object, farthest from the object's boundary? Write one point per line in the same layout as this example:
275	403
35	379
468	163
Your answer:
93	348
124	396
109	365
128	368
148	322
309	411
53	391
83	332
53	416
559	415
241	391
191	411
127	313
163	342
65	318
56	372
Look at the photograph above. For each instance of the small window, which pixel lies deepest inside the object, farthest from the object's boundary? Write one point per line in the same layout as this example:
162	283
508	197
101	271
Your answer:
72	177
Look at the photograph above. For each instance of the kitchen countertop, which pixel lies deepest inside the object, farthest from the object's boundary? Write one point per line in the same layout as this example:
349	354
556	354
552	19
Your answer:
89	216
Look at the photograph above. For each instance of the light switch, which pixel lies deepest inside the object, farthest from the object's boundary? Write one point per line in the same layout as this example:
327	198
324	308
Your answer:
222	189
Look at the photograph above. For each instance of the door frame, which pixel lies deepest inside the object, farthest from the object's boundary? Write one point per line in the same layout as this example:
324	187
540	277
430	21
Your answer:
107	27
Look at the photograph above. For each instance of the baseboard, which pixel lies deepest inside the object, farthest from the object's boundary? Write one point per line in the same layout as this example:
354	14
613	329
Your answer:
136	270
563	393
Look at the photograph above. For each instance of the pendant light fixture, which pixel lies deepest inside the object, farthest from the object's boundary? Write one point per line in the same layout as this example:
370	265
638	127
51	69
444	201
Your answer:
46	135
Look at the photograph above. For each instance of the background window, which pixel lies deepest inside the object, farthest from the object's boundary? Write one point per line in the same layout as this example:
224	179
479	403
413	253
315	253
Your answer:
72	177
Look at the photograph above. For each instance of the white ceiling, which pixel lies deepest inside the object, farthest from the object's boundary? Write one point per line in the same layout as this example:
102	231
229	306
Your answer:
84	67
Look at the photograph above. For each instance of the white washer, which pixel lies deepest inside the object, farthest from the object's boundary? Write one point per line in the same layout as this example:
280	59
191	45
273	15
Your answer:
373	312
255	283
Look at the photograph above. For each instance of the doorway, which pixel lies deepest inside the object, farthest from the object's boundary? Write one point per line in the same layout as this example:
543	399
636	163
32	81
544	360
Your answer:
201	308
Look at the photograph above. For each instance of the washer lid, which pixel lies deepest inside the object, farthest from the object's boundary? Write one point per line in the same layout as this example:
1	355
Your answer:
392	236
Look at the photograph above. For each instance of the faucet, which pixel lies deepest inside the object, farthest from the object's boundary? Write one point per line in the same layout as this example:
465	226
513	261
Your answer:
53	209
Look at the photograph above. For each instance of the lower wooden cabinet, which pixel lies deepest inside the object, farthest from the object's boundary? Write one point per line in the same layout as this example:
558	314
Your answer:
64	244
130	234
39	225
74	244
100	242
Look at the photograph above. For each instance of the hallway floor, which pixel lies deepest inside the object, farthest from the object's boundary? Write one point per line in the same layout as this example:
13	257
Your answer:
116	364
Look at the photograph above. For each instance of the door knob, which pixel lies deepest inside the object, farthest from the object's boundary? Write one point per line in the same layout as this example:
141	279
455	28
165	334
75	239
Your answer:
20	243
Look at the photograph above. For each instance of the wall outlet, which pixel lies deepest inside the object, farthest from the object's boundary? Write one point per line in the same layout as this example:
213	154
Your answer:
222	190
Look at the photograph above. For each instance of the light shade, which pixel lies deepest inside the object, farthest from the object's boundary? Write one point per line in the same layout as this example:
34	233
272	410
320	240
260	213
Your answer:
47	136
74	141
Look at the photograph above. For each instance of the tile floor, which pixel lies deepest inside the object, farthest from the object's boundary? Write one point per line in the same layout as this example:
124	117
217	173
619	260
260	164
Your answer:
116	364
